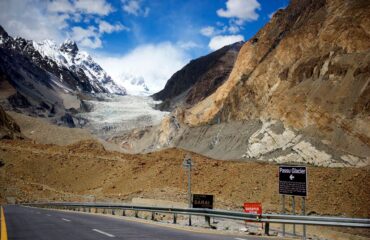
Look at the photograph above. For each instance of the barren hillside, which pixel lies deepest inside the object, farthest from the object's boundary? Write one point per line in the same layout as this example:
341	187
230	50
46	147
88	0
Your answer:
85	171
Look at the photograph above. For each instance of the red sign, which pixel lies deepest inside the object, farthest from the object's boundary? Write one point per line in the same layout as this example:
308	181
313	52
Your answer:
254	208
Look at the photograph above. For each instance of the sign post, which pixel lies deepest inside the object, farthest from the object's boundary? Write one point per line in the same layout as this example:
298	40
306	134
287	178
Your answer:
187	163
293	182
203	201
304	213
283	212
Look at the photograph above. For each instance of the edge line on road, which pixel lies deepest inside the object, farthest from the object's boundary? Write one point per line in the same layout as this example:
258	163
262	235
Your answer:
104	233
4	233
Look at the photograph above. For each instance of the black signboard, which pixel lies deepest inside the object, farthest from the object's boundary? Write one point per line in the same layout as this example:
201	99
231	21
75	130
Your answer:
293	180
202	201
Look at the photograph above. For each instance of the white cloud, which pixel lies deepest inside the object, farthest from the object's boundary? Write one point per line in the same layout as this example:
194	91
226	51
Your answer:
134	7
207	31
93	42
219	41
86	37
90	37
58	6
243	10
28	19
39	20
99	7
106	27
156	63
233	29
188	45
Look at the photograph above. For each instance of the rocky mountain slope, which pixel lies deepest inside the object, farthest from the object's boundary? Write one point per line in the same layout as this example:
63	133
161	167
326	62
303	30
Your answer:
298	92
67	55
199	78
9	129
47	80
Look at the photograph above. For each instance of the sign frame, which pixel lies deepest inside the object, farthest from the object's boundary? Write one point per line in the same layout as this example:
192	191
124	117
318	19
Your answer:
305	180
203	197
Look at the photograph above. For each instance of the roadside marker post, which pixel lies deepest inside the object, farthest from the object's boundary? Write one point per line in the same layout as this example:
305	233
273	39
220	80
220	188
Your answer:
293	182
187	163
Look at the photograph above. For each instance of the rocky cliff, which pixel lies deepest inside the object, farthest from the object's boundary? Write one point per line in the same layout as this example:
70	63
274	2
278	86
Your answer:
298	92
309	68
198	79
9	129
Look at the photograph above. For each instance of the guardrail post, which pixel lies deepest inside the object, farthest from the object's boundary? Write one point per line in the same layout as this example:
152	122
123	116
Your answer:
153	216
113	212
208	220
136	213
174	218
267	228
123	212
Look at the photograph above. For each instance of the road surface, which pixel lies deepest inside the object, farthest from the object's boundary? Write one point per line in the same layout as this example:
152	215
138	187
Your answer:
45	224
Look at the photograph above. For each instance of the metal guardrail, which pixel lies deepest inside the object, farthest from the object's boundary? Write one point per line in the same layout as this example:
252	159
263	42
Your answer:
265	218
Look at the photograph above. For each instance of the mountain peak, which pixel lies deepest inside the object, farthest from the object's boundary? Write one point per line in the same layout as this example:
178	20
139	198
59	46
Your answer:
3	33
69	46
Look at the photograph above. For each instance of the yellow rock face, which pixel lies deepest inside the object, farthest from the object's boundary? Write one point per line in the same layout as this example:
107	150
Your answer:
309	67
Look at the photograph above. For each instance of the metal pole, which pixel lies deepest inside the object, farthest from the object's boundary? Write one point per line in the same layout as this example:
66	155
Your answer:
304	213
174	218
293	208
189	191
283	212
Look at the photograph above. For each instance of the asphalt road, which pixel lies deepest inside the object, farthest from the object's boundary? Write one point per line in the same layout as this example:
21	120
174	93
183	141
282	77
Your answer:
39	224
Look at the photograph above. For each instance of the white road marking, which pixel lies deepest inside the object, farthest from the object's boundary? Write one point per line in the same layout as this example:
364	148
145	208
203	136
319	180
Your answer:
67	220
240	239
38	213
48	215
104	233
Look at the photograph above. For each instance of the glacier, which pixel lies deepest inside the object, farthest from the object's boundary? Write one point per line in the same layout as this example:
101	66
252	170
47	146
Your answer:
113	114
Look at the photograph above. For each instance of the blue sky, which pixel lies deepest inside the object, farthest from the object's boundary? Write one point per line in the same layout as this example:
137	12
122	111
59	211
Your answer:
139	38
180	21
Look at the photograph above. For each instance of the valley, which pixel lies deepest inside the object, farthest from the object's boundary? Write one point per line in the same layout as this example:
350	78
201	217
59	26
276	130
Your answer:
295	93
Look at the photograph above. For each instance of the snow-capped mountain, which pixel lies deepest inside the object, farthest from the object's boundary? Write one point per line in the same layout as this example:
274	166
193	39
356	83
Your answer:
68	55
70	68
135	85
48	80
